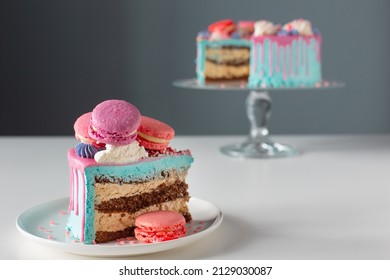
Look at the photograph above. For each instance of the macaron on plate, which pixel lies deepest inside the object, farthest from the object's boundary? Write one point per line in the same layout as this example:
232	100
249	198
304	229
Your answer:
45	224
159	226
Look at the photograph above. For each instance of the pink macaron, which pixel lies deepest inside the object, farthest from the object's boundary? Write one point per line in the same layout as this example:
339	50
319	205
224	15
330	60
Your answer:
81	128
158	226
154	134
114	122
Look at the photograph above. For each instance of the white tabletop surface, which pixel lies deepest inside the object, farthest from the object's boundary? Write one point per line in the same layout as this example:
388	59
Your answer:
331	202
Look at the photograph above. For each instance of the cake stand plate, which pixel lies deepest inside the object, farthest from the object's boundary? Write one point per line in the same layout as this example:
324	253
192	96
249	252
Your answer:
259	144
46	223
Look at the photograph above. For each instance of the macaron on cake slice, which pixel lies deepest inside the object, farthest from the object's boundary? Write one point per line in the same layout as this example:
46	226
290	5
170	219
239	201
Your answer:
154	134
81	126
87	147
114	122
159	226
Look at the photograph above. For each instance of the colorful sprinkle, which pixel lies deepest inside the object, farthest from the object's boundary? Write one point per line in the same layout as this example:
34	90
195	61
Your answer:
62	213
52	223
41	228
50	237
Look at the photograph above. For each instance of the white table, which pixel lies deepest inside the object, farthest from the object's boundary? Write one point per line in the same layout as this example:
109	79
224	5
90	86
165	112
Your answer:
332	202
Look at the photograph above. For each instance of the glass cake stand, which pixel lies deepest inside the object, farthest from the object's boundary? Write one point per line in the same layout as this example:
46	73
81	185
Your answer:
258	106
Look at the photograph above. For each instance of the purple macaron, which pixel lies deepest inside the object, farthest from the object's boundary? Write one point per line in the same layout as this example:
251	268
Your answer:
114	122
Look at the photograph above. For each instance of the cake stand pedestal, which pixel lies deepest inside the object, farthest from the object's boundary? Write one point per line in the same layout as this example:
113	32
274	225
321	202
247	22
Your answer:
258	144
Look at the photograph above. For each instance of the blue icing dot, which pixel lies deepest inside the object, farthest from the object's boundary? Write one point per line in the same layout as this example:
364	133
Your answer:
204	34
293	32
282	33
86	150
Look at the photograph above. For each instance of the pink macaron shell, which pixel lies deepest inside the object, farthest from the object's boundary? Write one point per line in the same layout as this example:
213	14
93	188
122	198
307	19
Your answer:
158	236
114	122
158	226
81	128
113	139
152	146
154	128
160	220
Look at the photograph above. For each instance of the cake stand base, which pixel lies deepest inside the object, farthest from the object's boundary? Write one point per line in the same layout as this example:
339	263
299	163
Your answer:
259	148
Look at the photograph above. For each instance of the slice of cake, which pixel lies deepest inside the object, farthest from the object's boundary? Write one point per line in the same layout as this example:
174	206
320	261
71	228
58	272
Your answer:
221	54
112	185
260	53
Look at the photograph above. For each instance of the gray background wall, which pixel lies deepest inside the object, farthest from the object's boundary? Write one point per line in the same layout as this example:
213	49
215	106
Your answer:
58	59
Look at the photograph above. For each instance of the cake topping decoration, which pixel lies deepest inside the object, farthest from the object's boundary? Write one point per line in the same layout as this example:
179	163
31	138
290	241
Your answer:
114	122
228	29
264	27
245	28
222	30
154	134
302	26
121	154
86	150
81	128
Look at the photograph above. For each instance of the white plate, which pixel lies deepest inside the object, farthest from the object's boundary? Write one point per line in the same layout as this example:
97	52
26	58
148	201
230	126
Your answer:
45	223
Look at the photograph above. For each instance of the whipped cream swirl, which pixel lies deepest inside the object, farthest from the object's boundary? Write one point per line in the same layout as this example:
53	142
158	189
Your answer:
264	27
121	154
302	26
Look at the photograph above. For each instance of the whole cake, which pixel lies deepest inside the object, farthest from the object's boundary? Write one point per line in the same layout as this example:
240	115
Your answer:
122	167
260	54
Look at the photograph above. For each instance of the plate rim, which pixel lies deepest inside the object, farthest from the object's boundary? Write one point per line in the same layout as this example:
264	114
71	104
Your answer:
93	250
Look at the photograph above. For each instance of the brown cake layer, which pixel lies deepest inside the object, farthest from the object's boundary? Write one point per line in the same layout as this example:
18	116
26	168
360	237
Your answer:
233	62
106	236
133	203
244	79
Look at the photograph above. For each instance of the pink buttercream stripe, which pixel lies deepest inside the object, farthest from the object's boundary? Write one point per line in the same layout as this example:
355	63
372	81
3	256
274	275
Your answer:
284	63
71	201
261	60
84	210
76	190
271	60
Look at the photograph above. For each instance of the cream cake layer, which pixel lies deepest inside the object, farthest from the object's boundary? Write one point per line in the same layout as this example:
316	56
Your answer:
228	55
107	191
220	71
86	173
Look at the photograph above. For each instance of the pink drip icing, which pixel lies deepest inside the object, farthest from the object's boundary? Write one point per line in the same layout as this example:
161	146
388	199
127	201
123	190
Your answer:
298	59
307	61
283	41
291	66
270	60
261	60
76	191
277	59
84	211
71	201
284	63
255	59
